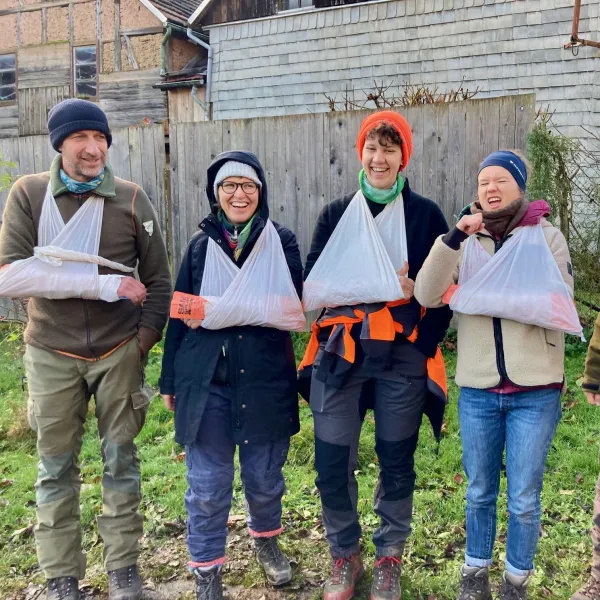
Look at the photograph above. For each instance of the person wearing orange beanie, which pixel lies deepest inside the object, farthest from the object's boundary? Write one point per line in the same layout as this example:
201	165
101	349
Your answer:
389	375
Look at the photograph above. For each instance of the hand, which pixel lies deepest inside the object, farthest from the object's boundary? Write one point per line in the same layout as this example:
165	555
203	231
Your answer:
193	323
407	285
593	398
169	400
471	224
132	289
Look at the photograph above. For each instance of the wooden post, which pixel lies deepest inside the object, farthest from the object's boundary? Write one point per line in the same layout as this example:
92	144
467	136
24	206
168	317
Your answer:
117	35
100	46
44	27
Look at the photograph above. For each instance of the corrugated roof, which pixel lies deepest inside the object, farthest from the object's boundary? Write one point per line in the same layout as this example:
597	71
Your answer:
176	10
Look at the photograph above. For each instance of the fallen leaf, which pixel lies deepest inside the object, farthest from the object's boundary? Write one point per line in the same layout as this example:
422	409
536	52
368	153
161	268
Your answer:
26	531
174	563
458	478
6	482
566	492
579	478
180	457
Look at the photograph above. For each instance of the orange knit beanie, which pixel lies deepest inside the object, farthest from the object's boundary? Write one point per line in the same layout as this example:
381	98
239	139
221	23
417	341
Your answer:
393	119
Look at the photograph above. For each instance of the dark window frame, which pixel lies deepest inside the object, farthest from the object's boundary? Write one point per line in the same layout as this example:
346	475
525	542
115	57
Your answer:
75	64
284	5
16	83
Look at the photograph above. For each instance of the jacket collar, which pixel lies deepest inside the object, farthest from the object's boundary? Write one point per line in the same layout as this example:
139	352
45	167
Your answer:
106	189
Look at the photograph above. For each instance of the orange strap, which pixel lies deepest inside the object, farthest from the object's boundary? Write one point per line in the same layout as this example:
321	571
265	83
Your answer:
436	371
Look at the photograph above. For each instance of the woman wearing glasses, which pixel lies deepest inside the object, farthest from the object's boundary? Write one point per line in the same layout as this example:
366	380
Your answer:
234	386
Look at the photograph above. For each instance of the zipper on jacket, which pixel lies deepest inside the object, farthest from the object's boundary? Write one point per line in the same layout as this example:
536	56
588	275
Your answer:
86	315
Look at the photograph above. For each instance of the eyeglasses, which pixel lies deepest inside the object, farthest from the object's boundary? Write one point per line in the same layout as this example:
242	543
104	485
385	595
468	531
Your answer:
230	187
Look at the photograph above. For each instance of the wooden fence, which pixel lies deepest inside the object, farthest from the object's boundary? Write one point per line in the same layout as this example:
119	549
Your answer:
311	159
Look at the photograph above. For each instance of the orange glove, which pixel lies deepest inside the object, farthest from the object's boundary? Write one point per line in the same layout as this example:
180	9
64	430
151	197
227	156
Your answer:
187	306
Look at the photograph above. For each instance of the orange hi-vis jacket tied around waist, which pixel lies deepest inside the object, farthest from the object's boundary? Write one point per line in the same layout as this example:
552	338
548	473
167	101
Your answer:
376	326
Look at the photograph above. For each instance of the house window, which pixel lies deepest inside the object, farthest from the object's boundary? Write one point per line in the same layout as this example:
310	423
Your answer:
292	4
85	72
8	77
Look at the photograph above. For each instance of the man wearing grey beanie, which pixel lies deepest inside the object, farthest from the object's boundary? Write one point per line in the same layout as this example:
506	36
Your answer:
80	347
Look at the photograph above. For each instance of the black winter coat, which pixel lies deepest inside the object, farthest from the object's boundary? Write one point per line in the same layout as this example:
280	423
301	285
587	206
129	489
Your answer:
261	368
425	222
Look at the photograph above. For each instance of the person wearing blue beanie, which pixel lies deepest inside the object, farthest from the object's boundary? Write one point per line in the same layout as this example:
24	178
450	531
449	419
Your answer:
72	115
87	342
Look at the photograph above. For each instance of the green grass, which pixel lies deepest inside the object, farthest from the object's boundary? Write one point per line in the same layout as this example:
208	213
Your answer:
435	550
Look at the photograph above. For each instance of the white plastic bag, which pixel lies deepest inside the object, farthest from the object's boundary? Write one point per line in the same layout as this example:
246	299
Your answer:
65	264
474	258
521	282
392	229
260	293
355	266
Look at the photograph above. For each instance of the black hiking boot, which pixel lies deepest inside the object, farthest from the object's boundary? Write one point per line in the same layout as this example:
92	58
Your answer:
274	563
475	584
124	584
62	588
208	583
386	579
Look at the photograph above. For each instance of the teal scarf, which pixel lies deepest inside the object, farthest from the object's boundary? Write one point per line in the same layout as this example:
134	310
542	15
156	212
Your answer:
81	187
377	195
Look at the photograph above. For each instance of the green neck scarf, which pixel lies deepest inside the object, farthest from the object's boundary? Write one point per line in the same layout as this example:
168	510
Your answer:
377	195
237	235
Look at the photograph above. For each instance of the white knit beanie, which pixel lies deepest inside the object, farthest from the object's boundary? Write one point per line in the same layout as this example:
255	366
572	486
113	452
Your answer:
235	169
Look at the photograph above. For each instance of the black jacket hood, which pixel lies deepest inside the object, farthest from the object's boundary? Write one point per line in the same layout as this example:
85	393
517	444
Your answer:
248	159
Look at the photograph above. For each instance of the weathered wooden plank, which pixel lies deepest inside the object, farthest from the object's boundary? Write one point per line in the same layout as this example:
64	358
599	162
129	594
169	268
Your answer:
429	156
441	194
506	130
457	131
26	152
9	121
118	155
162	199
173	216
415	167
339	141
135	156
133	100
524	117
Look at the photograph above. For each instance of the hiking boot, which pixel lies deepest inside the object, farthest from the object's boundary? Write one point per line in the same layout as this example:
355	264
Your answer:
208	584
475	584
513	588
386	579
274	563
589	591
124	584
62	588
345	572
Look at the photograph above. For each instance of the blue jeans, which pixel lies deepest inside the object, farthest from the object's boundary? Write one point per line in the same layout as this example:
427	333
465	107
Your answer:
525	423
210	472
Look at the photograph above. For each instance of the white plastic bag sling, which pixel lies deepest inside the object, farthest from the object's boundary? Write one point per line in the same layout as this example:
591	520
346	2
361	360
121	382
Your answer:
65	263
521	282
360	262
260	293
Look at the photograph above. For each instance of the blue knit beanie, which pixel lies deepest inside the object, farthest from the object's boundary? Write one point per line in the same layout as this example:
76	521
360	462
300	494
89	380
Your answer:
73	115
